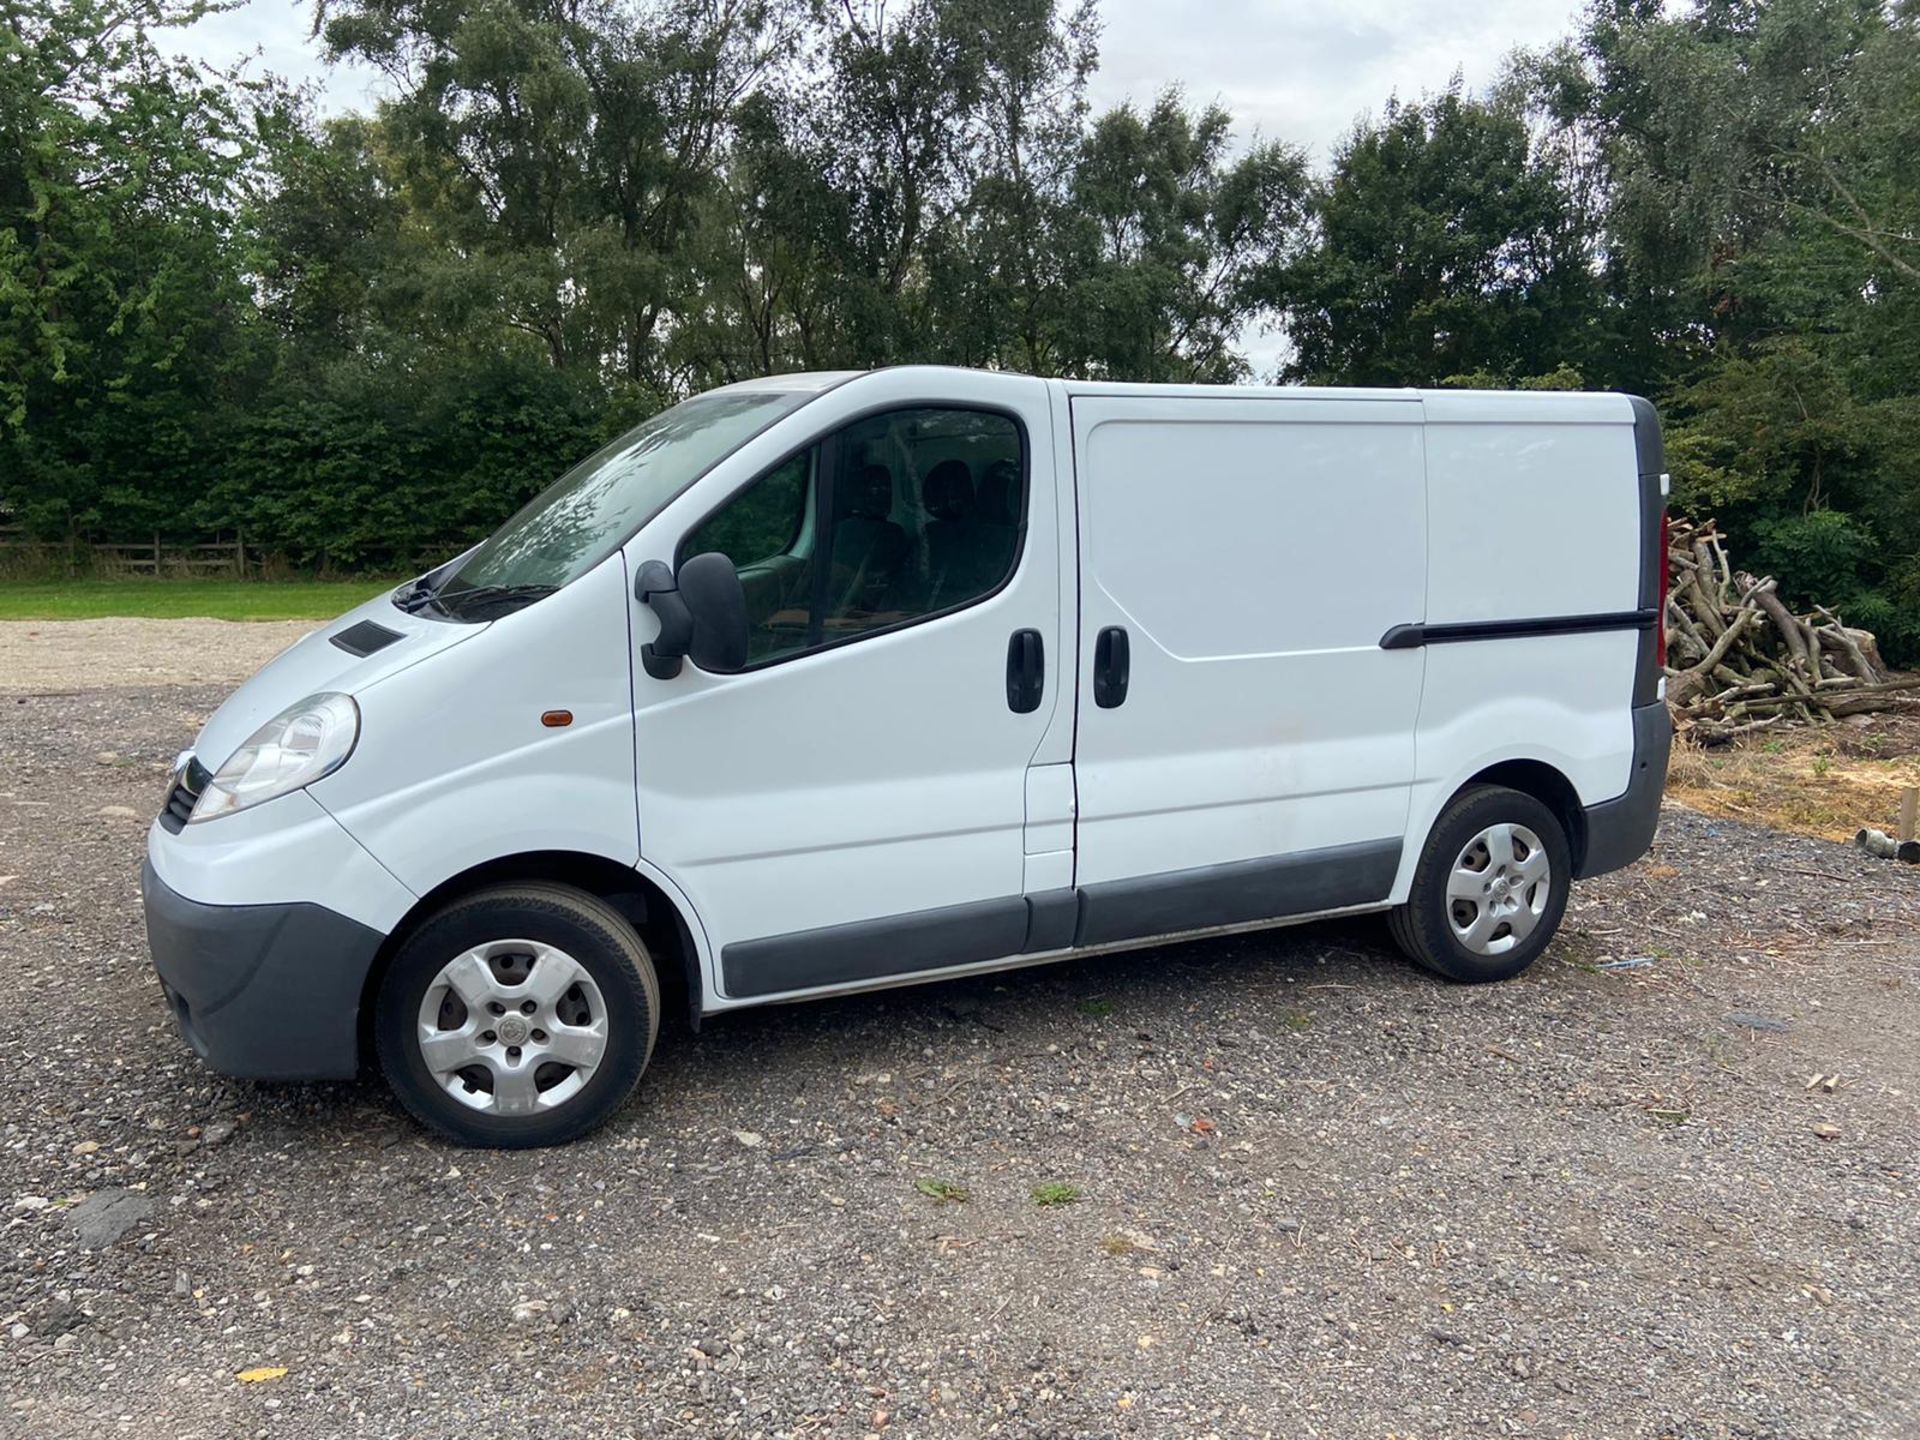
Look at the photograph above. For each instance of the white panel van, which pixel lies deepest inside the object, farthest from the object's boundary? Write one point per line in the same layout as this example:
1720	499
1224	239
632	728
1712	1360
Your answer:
826	682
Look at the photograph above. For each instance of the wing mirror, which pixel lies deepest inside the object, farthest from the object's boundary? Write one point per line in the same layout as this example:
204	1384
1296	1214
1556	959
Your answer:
702	611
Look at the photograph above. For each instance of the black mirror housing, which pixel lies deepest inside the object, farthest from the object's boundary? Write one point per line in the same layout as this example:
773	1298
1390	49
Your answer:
702	612
656	587
710	586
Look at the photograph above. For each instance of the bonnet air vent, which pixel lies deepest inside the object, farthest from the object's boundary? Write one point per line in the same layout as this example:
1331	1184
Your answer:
365	638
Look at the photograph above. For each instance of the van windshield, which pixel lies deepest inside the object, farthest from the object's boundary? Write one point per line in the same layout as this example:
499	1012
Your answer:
587	513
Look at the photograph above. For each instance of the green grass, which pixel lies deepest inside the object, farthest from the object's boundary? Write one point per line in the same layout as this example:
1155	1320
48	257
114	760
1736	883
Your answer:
1054	1192
182	599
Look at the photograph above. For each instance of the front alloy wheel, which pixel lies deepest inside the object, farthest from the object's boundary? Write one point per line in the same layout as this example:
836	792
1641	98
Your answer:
513	1026
519	1016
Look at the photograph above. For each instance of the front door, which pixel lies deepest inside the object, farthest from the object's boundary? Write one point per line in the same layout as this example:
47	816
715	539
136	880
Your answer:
851	806
1245	747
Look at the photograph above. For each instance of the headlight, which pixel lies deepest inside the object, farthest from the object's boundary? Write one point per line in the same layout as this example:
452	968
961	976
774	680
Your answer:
297	747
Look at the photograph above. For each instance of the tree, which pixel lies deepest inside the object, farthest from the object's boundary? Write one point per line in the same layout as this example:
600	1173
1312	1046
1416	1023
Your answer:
127	335
1444	246
1175	244
1760	168
1002	278
560	155
369	337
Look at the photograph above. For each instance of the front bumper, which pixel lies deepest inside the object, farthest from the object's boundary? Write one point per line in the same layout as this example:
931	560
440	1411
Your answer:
263	992
1620	830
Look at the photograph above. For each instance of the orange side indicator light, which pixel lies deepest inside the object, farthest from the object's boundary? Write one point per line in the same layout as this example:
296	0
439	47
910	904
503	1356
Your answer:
557	719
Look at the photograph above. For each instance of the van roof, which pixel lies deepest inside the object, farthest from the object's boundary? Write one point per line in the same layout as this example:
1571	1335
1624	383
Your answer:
792	380
1440	406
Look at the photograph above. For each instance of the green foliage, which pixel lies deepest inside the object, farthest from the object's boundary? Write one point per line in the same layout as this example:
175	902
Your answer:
1446	248
1764	430
1824	553
384	465
1831	558
1562	377
1756	172
367	339
126	328
1173	243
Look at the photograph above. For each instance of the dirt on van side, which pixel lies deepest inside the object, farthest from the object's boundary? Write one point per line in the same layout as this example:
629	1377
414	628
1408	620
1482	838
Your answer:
39	657
1662	1185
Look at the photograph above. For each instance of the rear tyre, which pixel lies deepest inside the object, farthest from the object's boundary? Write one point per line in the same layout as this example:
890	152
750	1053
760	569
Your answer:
517	1017
1489	889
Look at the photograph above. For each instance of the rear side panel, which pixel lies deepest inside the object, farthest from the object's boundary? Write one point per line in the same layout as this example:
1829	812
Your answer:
1620	830
1533	508
1534	595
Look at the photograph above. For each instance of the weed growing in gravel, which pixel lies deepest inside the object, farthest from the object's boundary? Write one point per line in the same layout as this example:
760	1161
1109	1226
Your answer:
945	1191
1055	1192
1297	1019
1096	1008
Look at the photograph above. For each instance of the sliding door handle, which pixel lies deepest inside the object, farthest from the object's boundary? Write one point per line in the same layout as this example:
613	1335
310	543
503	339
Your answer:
1026	671
1110	668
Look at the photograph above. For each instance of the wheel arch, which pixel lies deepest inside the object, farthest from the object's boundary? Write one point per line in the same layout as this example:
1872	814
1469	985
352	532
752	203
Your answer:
1545	784
642	901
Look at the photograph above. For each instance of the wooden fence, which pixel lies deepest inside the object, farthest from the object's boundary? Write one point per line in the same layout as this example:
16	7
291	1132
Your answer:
225	559
159	558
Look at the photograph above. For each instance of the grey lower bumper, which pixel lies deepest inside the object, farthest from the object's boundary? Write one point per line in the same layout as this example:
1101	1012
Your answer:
1619	831
264	992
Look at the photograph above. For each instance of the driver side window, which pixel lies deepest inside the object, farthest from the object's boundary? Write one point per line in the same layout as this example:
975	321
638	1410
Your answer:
896	518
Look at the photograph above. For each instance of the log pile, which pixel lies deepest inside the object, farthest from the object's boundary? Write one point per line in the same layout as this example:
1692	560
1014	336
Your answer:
1738	660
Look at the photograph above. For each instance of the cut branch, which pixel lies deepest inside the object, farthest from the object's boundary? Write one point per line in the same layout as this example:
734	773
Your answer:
1738	660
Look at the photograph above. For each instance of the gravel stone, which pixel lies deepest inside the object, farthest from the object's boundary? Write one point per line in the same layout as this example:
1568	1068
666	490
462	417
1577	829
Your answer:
1753	1020
218	1132
103	1218
41	657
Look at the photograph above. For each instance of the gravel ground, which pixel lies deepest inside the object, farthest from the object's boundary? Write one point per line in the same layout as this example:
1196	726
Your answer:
1316	1193
59	656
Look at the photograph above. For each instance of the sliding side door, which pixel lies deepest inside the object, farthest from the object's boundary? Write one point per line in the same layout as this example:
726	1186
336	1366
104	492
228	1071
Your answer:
1244	746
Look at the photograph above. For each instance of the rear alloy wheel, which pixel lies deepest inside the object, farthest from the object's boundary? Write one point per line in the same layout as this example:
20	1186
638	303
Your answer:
517	1017
1490	887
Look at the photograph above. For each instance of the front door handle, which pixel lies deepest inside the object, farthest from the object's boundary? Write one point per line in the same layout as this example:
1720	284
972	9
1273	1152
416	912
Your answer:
1110	667
1026	671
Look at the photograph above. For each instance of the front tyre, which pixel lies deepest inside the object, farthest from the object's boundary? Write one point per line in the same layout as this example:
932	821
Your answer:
1489	889
517	1017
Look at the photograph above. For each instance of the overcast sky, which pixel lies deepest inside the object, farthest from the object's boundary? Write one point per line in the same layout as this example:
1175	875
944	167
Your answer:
1294	70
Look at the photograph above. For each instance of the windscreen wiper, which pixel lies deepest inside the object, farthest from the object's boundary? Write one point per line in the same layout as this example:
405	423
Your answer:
495	600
